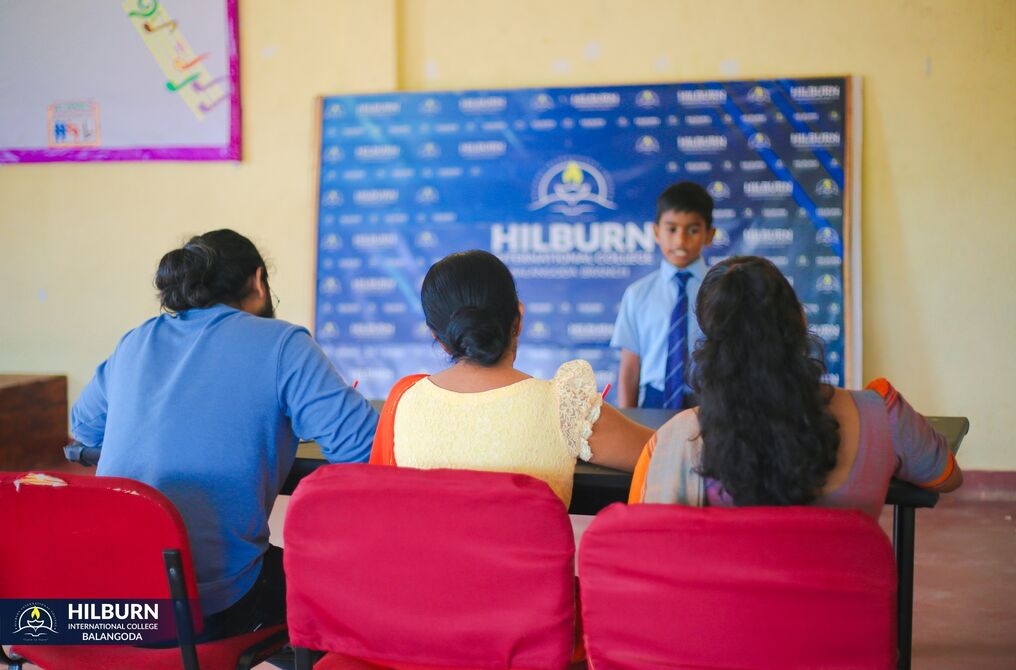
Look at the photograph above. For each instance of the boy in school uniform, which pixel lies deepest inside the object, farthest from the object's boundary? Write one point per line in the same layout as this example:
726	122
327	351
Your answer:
656	328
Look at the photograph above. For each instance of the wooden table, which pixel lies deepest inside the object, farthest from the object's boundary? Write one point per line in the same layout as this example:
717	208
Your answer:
33	420
595	486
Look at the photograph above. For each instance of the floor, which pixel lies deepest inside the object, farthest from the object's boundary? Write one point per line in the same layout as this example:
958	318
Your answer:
965	584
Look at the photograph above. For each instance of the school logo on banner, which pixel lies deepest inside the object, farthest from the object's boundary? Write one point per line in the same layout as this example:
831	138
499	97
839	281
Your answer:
758	95
759	141
719	190
542	102
647	144
826	187
647	99
430	106
828	283
427	195
827	236
721	238
571	186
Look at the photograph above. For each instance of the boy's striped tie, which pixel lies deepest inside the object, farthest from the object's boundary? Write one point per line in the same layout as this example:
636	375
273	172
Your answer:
677	346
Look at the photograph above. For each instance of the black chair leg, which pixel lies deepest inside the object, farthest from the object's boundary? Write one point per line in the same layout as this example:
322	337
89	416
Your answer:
262	649
12	662
181	608
304	658
904	524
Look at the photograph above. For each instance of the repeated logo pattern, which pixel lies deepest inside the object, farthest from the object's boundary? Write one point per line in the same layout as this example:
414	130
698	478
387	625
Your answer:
561	183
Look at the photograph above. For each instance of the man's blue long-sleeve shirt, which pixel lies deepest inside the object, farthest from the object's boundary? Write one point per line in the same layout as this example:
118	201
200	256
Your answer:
207	406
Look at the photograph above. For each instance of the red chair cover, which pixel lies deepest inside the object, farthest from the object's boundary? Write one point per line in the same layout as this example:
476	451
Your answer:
96	537
430	567
762	587
103	538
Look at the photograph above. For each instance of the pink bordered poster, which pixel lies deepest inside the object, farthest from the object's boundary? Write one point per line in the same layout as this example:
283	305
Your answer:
119	80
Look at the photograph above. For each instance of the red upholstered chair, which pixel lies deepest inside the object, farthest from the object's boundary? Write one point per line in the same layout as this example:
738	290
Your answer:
108	538
762	587
403	568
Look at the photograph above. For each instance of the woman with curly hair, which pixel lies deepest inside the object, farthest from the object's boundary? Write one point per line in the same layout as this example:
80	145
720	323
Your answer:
767	430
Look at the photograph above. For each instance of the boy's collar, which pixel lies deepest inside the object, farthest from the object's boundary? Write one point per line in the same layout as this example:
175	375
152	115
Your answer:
697	268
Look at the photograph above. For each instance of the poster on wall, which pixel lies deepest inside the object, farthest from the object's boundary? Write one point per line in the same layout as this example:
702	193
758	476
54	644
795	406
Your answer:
561	184
123	80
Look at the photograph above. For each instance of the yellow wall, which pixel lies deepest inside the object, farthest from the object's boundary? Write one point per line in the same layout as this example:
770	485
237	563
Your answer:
79	243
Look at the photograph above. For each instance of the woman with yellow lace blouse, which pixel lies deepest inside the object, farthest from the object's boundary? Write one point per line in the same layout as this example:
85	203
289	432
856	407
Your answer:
483	414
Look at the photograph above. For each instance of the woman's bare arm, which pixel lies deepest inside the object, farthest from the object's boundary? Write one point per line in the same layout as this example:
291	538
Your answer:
617	441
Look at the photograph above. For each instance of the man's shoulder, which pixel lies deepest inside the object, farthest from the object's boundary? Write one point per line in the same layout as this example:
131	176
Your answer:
235	323
270	324
144	328
270	328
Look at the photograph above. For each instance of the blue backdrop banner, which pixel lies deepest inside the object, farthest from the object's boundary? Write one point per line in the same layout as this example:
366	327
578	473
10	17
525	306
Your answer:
561	183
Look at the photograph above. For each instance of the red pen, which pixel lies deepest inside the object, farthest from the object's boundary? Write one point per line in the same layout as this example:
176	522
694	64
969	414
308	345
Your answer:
606	390
355	382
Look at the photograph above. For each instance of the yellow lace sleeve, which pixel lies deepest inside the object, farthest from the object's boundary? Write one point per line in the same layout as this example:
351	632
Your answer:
578	405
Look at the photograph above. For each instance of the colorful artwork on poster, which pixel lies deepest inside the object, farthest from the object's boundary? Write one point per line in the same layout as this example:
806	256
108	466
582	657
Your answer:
112	81
73	124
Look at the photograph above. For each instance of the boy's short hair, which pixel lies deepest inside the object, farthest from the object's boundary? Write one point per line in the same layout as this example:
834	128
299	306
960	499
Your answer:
685	196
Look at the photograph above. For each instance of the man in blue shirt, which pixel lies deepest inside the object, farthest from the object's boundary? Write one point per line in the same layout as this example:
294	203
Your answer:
206	403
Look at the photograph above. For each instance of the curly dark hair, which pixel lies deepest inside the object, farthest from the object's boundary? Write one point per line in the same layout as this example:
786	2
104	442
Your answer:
210	269
768	436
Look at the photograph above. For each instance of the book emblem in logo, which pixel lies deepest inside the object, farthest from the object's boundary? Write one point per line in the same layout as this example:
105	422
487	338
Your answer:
572	186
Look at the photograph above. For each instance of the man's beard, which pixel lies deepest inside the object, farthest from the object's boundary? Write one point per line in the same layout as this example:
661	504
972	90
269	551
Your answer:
268	311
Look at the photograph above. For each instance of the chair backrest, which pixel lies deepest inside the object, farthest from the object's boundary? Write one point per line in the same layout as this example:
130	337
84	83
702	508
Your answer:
430	567
80	536
762	587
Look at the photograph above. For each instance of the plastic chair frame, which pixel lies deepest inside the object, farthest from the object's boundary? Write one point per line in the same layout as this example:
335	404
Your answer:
183	617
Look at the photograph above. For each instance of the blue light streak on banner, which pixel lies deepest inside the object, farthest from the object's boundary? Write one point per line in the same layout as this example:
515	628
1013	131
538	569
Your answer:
561	183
